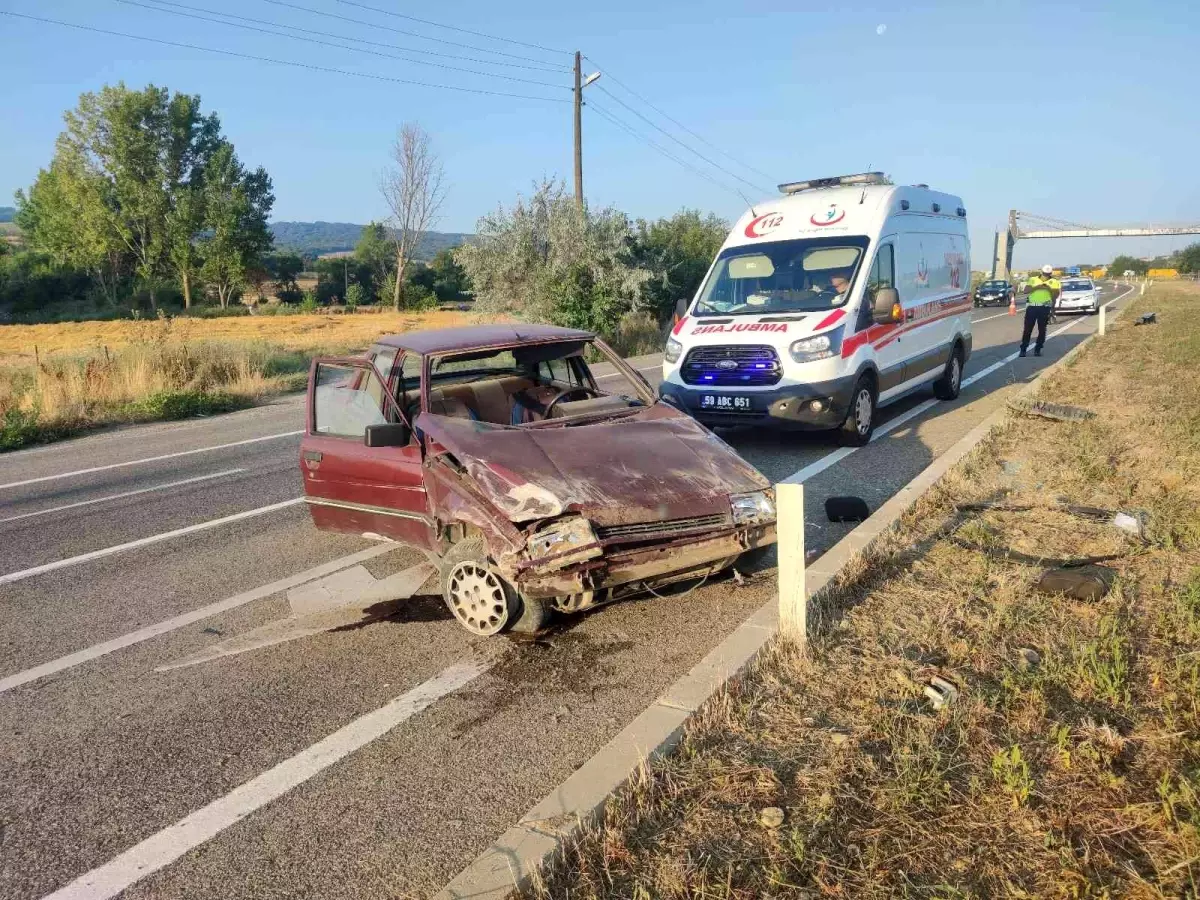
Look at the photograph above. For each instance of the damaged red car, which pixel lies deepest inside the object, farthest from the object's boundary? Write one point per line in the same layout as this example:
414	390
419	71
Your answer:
535	484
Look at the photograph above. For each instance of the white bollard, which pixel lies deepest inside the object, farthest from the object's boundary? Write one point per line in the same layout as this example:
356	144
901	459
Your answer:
1103	309
793	604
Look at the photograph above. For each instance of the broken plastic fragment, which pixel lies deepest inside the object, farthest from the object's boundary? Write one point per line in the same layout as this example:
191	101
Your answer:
940	692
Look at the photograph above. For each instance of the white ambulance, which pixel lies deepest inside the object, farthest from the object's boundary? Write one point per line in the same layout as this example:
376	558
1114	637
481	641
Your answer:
842	295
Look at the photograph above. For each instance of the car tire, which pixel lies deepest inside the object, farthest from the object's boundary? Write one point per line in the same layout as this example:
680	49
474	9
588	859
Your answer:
950	384
859	424
467	563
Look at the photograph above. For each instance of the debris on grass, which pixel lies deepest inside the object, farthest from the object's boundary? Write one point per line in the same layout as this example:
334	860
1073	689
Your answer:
1060	412
1067	771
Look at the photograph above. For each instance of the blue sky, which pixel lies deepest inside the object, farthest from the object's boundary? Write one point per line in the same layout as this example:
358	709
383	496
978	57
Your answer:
1088	117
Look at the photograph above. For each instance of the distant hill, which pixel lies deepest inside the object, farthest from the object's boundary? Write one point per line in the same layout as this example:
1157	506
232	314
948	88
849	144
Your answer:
7	213
315	238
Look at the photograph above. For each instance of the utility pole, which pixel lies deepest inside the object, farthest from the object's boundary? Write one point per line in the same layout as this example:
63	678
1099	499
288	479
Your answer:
579	130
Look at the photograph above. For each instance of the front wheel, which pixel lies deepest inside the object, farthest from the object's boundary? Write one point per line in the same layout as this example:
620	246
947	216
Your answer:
856	431
950	384
481	600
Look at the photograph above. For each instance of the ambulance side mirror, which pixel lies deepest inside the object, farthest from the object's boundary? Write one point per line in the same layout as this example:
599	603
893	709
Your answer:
885	308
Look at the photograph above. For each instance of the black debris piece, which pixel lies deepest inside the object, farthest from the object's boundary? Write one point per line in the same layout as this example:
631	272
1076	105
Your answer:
847	509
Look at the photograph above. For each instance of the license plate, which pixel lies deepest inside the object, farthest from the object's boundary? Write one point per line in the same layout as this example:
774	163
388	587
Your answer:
724	401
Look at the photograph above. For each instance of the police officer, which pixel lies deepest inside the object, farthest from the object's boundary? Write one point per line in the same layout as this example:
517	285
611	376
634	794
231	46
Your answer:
1043	291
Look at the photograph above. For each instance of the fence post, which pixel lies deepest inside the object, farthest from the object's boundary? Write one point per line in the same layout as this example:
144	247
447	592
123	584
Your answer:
793	604
1102	311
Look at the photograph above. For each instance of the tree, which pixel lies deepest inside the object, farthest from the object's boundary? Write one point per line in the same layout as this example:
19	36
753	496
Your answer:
1188	260
545	260
377	252
237	204
449	279
1123	263
286	268
412	189
678	251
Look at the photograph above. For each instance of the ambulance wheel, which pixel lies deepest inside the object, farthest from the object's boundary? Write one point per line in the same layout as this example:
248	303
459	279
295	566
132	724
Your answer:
856	431
948	386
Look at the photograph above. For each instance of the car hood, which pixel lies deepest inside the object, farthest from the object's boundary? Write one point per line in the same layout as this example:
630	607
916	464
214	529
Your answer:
655	465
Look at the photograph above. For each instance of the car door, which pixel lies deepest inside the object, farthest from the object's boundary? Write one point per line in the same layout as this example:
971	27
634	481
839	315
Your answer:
350	487
884	338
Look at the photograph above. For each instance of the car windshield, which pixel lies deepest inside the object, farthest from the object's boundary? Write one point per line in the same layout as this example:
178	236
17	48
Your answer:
525	385
805	275
1077	286
994	285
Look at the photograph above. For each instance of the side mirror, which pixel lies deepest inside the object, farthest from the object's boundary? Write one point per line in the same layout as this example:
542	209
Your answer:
886	309
389	435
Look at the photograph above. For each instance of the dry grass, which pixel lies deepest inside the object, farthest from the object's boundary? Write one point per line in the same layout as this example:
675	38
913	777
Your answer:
56	380
1077	777
297	332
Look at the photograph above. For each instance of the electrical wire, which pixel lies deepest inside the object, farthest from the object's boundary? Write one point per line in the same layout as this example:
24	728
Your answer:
296	37
416	34
342	37
608	74
685	146
492	37
278	62
600	111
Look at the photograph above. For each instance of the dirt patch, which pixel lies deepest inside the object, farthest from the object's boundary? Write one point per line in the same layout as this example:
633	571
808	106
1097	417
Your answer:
952	730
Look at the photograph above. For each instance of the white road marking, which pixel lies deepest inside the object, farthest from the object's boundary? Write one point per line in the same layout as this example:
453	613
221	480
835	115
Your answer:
837	456
989	318
157	487
142	542
144	634
168	845
148	459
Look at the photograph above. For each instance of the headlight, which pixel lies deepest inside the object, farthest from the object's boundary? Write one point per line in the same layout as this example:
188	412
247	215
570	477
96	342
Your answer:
823	346
674	350
751	508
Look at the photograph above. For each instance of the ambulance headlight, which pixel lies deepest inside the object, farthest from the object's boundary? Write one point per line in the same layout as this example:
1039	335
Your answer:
823	346
674	350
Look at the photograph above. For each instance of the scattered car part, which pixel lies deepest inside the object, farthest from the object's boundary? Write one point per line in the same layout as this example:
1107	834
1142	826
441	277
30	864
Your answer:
1087	586
941	693
1060	412
1028	659
847	509
1146	319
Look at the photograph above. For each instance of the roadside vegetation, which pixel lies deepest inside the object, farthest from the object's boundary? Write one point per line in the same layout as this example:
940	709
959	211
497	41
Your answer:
1068	763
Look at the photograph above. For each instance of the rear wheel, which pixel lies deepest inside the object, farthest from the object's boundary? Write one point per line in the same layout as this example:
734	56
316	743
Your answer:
948	386
856	431
481	600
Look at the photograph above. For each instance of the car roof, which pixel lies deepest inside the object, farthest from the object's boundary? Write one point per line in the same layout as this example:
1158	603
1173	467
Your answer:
474	337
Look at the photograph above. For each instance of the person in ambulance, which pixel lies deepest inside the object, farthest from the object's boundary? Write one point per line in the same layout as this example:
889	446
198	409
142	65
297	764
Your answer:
842	296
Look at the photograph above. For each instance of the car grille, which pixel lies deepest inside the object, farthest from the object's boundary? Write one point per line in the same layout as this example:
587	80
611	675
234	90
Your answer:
738	366
670	526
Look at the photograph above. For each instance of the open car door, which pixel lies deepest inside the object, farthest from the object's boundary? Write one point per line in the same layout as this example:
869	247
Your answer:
360	462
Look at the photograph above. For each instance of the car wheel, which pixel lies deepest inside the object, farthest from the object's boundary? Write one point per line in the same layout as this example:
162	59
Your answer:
948	386
480	599
856	431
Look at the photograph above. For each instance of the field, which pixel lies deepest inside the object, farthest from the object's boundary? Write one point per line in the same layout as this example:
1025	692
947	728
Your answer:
1067	763
56	380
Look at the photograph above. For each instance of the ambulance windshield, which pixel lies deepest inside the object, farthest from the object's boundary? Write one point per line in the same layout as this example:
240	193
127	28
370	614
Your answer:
805	275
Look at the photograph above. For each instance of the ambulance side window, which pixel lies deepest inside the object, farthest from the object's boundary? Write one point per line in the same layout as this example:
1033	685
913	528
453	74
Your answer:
882	275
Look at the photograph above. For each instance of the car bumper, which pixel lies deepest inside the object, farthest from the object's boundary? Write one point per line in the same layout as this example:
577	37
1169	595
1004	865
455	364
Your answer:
790	406
648	566
1082	305
1002	300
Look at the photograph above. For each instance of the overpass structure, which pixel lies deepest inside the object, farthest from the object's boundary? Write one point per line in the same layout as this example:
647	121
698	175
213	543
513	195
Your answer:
1031	225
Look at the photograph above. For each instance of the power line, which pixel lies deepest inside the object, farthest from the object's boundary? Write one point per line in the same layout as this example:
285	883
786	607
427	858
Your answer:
608	74
667	153
690	149
481	34
296	37
342	37
416	34
279	62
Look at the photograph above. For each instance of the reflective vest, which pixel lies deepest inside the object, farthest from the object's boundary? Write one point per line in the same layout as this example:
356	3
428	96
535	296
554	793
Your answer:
1040	290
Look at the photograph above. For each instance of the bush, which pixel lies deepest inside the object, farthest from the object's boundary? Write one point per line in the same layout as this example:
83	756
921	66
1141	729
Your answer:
183	404
355	296
636	334
216	312
309	303
418	298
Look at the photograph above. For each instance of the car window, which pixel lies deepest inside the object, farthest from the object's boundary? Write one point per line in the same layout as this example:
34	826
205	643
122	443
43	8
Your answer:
346	399
384	359
489	364
559	370
883	269
1077	286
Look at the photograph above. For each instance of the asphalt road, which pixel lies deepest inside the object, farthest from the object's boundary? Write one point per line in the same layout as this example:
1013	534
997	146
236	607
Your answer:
371	760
